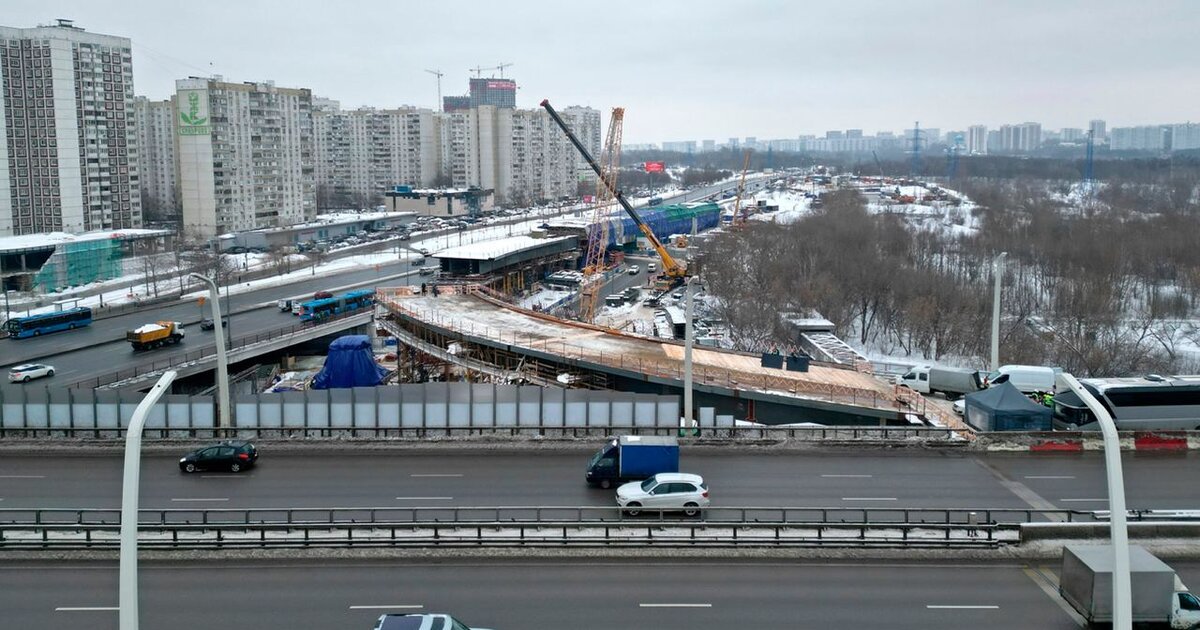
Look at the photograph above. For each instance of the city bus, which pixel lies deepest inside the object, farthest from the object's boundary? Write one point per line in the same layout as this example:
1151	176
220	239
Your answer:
318	310
35	325
1152	403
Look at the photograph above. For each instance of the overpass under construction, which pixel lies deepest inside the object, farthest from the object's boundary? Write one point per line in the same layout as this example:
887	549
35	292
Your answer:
471	327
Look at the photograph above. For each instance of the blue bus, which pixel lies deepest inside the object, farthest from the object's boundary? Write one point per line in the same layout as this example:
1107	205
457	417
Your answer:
318	310
34	325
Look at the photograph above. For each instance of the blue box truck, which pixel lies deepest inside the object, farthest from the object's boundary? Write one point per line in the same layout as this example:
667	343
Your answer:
632	458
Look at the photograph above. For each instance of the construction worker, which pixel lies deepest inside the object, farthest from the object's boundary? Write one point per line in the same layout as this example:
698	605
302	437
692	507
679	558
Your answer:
1048	399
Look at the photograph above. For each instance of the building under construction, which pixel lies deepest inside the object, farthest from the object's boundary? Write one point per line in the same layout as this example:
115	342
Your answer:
684	218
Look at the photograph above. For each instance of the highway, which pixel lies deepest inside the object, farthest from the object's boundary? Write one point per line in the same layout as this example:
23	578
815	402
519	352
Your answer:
583	594
429	478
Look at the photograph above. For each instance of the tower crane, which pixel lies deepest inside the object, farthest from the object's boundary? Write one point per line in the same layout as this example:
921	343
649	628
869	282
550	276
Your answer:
738	218
593	269
439	74
673	269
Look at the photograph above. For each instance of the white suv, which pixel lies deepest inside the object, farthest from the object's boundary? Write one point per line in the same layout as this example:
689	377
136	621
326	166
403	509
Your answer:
29	371
678	492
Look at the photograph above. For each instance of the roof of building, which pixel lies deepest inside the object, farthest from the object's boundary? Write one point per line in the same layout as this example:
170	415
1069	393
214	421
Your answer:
499	248
49	240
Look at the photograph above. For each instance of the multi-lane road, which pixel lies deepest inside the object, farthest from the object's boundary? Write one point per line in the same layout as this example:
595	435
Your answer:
96	350
408	478
580	594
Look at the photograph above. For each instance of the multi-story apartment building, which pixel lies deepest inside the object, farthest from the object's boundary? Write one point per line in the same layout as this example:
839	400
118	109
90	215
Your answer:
155	124
1099	130
1021	138
680	146
1185	136
245	155
1143	138
362	153
71	158
977	139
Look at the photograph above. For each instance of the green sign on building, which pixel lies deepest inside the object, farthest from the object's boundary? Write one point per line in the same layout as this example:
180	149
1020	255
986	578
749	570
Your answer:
193	113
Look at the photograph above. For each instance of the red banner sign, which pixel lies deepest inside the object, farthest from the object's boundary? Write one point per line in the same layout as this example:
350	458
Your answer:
655	167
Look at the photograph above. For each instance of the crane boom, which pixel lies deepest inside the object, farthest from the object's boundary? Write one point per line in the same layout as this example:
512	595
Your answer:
670	266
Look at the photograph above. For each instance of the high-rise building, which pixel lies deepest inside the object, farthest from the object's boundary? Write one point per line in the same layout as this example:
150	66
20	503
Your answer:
500	93
977	139
71	158
708	146
1072	134
245	155
585	123
1099	131
155	124
1021	138
359	154
456	103
1144	138
682	146
1185	136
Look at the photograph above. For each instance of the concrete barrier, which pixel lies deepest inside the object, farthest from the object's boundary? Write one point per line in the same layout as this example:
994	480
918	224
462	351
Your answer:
1072	442
1033	532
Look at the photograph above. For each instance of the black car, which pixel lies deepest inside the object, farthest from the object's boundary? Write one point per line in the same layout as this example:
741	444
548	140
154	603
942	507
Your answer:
233	456
207	323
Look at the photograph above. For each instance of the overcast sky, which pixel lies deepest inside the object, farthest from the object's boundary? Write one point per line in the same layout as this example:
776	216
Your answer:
691	69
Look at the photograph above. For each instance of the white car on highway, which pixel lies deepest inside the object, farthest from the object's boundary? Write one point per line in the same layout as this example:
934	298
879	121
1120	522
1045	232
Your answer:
675	492
29	371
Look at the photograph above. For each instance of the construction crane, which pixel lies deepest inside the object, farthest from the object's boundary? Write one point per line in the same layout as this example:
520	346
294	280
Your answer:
478	70
738	218
915	168
878	163
673	269
439	74
593	267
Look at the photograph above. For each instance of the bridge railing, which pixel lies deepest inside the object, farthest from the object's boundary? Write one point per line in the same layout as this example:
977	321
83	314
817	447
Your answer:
210	350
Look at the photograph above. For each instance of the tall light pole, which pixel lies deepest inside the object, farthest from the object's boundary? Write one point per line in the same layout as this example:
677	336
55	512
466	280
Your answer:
128	596
688	341
214	297
998	276
1122	597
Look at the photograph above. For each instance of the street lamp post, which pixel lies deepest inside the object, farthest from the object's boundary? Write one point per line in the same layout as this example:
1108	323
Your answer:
223	403
1118	529
688	341
128	595
998	275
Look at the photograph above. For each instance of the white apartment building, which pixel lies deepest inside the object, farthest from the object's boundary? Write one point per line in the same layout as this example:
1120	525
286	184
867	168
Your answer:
155	124
245	155
977	139
1144	138
71	158
1185	136
362	153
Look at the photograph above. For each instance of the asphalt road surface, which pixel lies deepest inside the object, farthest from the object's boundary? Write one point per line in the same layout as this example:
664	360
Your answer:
580	595
869	479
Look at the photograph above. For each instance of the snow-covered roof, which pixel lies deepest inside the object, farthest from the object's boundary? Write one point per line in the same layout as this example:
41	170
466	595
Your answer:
491	250
51	239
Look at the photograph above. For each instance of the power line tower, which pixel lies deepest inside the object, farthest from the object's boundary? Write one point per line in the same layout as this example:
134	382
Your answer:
1089	177
593	266
915	168
952	153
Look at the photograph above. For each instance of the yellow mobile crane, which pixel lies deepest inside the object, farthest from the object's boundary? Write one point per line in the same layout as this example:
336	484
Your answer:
739	219
673	269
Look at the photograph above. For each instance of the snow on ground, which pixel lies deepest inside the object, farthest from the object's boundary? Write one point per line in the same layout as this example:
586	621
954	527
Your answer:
792	206
543	298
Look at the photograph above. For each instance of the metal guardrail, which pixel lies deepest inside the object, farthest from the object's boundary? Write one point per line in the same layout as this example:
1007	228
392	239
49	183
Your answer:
237	342
522	526
814	434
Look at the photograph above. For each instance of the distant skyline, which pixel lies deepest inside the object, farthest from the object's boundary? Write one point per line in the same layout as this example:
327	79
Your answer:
692	70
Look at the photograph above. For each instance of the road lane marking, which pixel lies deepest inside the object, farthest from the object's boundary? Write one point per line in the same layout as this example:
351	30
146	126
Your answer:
194	500
22	476
84	608
962	607
1049	476
868	498
1022	491
390	607
424	498
675	605
1083	500
847	476
1047	581
436	475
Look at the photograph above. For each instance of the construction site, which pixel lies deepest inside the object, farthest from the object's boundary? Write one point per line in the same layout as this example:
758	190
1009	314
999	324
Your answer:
463	324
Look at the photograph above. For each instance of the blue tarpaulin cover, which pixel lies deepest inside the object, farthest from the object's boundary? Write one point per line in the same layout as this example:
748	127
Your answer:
349	364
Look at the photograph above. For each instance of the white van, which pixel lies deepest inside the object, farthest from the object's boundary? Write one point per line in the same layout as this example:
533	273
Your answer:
1027	378
652	267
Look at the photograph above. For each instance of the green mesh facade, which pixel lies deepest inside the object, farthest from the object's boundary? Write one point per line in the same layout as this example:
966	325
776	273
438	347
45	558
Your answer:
75	264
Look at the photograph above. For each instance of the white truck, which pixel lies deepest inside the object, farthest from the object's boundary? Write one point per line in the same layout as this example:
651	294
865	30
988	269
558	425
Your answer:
1158	596
951	382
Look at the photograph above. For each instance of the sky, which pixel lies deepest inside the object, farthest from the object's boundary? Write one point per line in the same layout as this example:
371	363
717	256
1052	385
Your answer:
691	70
